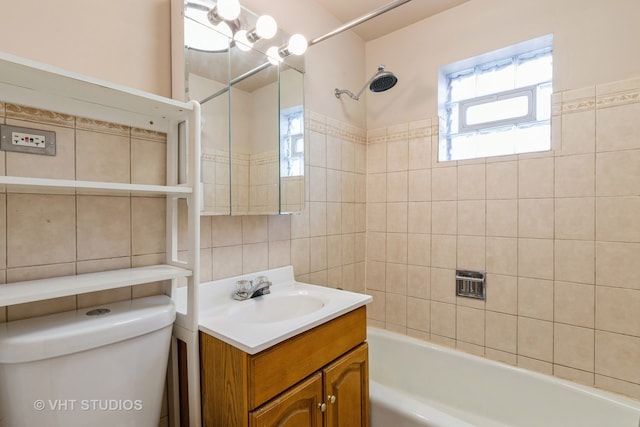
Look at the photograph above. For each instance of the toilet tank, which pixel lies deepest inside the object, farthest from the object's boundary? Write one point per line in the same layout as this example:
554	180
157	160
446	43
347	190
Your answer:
100	366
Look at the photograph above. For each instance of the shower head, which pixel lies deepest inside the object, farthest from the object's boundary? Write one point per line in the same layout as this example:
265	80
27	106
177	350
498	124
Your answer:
382	80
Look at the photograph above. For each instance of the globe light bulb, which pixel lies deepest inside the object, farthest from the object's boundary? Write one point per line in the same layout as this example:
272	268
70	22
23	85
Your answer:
266	27
228	9
273	55
242	42
297	44
201	35
224	29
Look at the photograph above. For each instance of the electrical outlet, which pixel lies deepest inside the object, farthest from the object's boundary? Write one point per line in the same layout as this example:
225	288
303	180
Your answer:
25	140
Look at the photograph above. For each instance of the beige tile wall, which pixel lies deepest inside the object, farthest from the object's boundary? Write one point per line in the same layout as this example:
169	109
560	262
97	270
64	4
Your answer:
61	233
558	234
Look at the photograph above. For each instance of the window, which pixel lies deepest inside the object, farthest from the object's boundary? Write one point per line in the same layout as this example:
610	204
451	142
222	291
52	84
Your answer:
292	141
498	103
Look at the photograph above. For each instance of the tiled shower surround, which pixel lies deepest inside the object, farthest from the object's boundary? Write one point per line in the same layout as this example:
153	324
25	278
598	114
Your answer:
558	234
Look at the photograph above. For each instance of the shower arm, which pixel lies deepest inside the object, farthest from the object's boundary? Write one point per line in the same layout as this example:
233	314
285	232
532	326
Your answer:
356	97
339	92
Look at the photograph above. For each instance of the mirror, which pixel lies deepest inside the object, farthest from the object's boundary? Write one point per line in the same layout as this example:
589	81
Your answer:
252	116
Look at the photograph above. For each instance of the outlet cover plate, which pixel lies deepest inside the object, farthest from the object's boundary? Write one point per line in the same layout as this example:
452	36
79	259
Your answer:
26	140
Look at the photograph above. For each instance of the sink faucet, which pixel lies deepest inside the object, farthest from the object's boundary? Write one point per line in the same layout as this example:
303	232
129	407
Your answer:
257	287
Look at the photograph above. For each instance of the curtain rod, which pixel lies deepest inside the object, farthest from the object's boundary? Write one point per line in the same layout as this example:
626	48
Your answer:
359	21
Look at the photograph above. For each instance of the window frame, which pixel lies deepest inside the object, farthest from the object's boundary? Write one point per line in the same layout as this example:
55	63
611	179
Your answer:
530	92
467	65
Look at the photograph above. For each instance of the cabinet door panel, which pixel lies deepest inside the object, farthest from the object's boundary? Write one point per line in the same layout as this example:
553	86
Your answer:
346	389
298	407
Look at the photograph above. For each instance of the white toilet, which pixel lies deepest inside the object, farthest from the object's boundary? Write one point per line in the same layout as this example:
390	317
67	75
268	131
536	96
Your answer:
91	367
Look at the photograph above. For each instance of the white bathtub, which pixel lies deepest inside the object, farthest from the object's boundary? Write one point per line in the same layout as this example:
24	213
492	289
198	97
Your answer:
416	383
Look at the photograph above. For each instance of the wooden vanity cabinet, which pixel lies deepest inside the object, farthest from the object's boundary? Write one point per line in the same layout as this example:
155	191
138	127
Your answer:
340	392
317	378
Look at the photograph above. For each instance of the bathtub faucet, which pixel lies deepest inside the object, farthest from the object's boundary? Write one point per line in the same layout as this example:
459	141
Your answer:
257	287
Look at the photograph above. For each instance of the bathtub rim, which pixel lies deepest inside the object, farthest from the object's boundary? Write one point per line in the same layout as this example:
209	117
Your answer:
616	398
414	410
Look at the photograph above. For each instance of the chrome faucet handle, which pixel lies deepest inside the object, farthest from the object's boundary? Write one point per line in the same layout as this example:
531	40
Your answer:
243	287
261	279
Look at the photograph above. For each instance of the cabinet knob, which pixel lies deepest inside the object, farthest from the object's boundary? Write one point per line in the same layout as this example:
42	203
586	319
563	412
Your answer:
322	407
331	398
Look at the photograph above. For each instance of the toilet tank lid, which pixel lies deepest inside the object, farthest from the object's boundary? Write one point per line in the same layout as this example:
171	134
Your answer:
70	332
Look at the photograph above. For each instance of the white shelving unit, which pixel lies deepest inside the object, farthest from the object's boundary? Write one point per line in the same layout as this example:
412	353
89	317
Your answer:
35	290
42	184
37	85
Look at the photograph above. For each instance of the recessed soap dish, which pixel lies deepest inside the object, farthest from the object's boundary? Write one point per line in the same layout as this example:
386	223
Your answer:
470	284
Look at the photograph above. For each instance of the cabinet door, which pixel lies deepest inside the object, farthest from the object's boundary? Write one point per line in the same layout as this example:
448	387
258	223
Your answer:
346	387
297	407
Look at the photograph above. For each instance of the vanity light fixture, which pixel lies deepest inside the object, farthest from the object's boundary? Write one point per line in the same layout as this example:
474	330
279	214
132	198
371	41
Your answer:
274	56
226	18
224	10
197	29
297	45
229	10
266	28
242	41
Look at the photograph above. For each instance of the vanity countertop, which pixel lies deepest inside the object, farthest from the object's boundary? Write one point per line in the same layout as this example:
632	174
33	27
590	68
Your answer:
258	323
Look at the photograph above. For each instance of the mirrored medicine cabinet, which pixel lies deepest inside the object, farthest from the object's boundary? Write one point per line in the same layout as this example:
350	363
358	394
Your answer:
252	160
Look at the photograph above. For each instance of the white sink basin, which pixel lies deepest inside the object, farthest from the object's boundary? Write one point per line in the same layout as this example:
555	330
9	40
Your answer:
258	323
275	308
